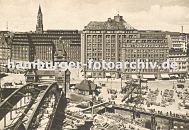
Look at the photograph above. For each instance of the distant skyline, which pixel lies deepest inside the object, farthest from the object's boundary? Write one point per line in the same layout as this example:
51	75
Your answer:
166	15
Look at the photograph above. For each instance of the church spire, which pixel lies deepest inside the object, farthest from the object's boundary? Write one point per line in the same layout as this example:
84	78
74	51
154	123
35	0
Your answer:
39	10
39	26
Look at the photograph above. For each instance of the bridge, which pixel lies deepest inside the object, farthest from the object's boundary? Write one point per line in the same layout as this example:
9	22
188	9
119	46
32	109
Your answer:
40	95
12	99
153	116
95	106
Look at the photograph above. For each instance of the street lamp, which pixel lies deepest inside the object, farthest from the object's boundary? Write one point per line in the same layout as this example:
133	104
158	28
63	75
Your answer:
0	87
91	102
140	87
121	82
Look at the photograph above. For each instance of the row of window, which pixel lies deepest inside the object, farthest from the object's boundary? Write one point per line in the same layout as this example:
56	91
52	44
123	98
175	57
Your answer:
144	55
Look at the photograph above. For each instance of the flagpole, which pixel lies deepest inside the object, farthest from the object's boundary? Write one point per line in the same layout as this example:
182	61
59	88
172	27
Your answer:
0	87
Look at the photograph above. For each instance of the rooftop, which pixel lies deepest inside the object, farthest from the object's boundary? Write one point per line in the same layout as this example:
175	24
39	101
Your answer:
86	85
46	72
118	23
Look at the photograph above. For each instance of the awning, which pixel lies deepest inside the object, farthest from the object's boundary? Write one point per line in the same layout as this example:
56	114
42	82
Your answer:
113	75
149	76
144	80
165	76
176	75
134	76
173	76
72	87
89	74
108	75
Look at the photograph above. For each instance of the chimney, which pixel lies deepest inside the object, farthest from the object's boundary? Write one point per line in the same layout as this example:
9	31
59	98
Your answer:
118	18
182	28
109	19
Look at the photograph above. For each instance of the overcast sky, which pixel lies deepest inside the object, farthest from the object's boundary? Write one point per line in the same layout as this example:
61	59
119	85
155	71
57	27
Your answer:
75	14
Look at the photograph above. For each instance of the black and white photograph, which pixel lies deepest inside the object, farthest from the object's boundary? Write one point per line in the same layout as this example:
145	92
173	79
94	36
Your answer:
94	65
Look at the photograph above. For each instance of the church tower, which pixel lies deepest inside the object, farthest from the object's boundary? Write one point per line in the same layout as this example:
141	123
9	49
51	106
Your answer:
39	26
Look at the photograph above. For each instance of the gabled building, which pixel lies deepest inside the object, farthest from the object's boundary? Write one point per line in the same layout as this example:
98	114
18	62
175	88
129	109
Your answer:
102	41
5	49
86	87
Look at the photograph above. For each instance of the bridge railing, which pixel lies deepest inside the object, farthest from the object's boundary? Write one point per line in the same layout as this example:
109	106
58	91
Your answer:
36	111
57	118
163	116
10	101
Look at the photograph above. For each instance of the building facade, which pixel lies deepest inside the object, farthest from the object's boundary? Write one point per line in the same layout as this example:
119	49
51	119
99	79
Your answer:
29	47
71	40
181	58
148	46
115	40
177	40
99	41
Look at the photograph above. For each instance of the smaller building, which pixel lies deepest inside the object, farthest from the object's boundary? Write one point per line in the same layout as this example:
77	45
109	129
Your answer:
46	75
31	76
86	87
5	48
177	40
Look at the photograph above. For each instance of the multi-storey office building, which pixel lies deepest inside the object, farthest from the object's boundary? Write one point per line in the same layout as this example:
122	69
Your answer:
115	40
100	42
149	46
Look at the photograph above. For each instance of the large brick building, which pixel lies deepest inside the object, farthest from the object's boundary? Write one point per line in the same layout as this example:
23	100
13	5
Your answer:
40	44
115	40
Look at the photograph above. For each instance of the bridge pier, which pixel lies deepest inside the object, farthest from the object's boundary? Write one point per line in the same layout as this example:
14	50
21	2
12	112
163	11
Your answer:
28	95
11	114
25	99
133	115
5	121
21	103
16	109
153	123
171	124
